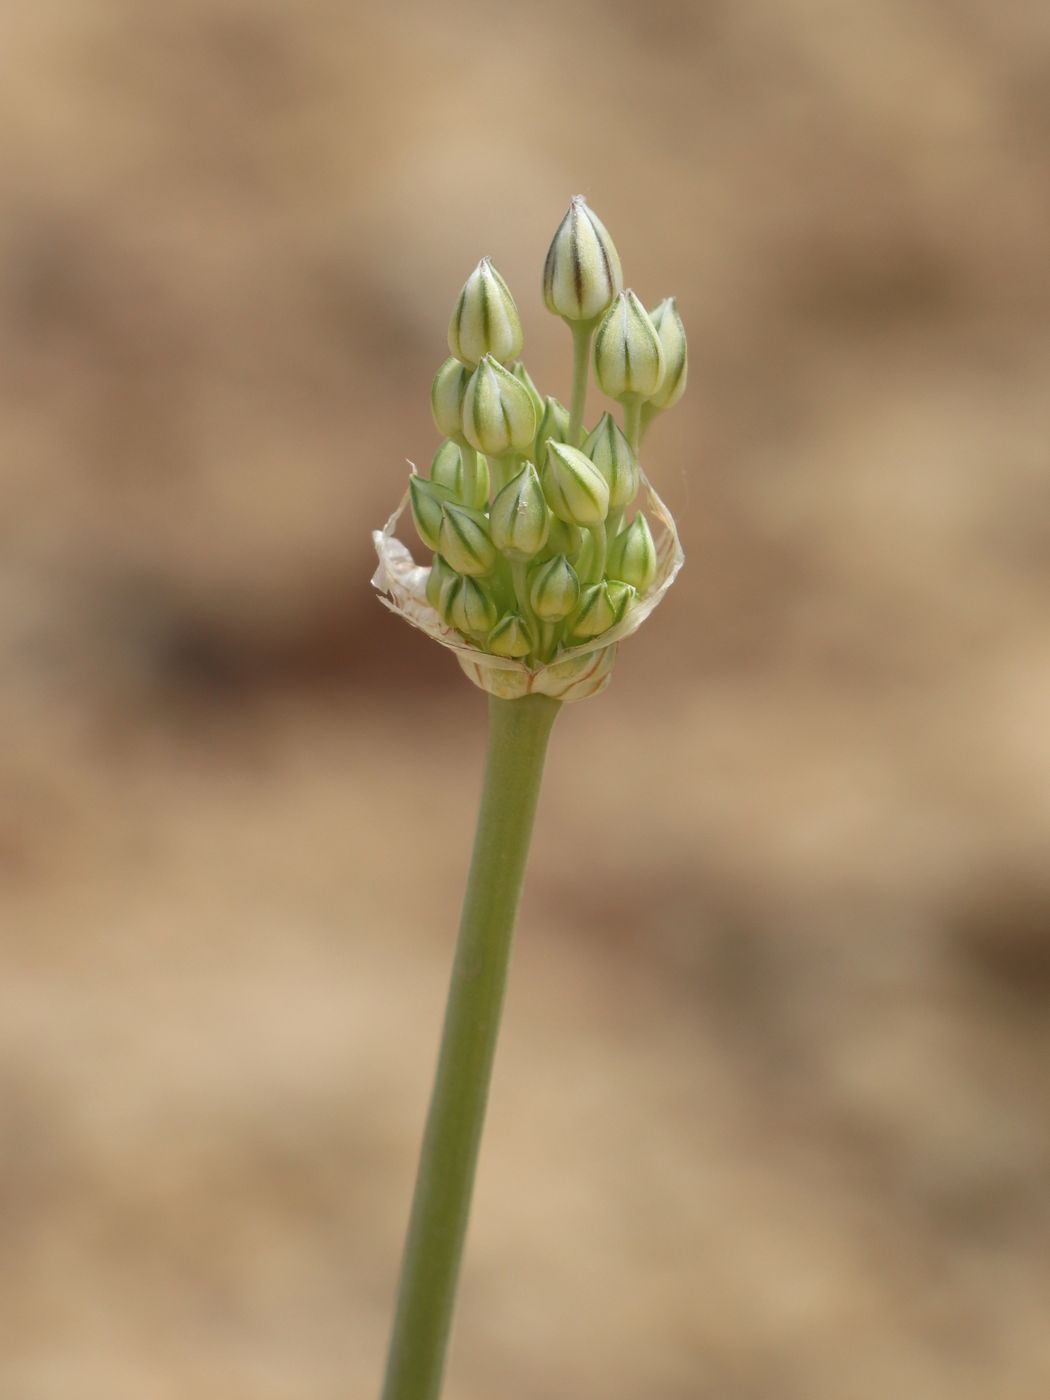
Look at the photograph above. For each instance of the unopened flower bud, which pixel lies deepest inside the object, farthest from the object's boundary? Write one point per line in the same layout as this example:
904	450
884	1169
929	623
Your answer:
628	353
554	589
554	423
669	328
470	608
575	489
582	273
596	613
620	596
439	581
464	541
632	555
519	519
611	453
524	377
498	415
446	398
428	500
485	321
510	637
447	470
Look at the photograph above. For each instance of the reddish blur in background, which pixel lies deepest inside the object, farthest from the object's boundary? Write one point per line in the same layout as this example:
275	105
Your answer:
770	1115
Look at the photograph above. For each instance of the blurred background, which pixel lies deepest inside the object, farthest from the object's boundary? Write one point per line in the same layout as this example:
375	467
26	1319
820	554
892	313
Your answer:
770	1114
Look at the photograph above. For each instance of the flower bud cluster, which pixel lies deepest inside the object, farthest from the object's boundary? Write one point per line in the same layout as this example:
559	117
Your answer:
537	544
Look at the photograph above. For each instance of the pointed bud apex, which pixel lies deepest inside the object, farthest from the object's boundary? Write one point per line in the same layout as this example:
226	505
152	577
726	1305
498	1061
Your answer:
620	596
428	503
519	519
554	589
632	555
498	415
669	328
522	375
582	273
470	608
510	637
575	489
611	453
628	354
485	321
447	470
596	613
439	581
446	398
554	423
465	543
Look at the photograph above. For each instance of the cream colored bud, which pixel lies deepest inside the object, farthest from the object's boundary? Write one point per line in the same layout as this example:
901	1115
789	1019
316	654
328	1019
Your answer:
632	555
428	500
669	328
446	398
553	424
596	613
620	596
554	589
510	637
628	353
575	489
465	543
498	415
582	273
521	374
485	321
519	519
611	453
447	470
470	607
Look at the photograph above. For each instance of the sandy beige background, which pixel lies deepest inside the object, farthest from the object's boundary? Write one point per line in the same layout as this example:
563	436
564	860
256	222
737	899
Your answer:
770	1114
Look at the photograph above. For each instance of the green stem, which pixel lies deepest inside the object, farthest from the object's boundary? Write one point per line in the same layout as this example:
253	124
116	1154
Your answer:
597	569
518	734
632	423
581	360
470	472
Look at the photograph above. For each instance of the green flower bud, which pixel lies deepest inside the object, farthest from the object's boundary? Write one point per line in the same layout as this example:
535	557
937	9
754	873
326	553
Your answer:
485	321
554	423
584	561
465	543
632	555
582	273
447	470
498	415
470	608
596	613
439	581
575	489
429	500
669	328
620	595
510	637
611	453
519	519
628	352
554	589
524	377
446	398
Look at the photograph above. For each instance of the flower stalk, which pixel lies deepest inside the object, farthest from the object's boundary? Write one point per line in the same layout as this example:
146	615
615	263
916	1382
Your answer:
518	734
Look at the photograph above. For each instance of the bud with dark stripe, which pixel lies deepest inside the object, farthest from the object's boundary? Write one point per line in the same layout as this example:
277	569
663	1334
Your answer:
439	581
446	398
519	518
575	489
582	273
554	424
470	607
628	352
632	555
447	470
611	453
485	321
554	589
596	613
669	328
510	637
498	415
428	500
464	541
